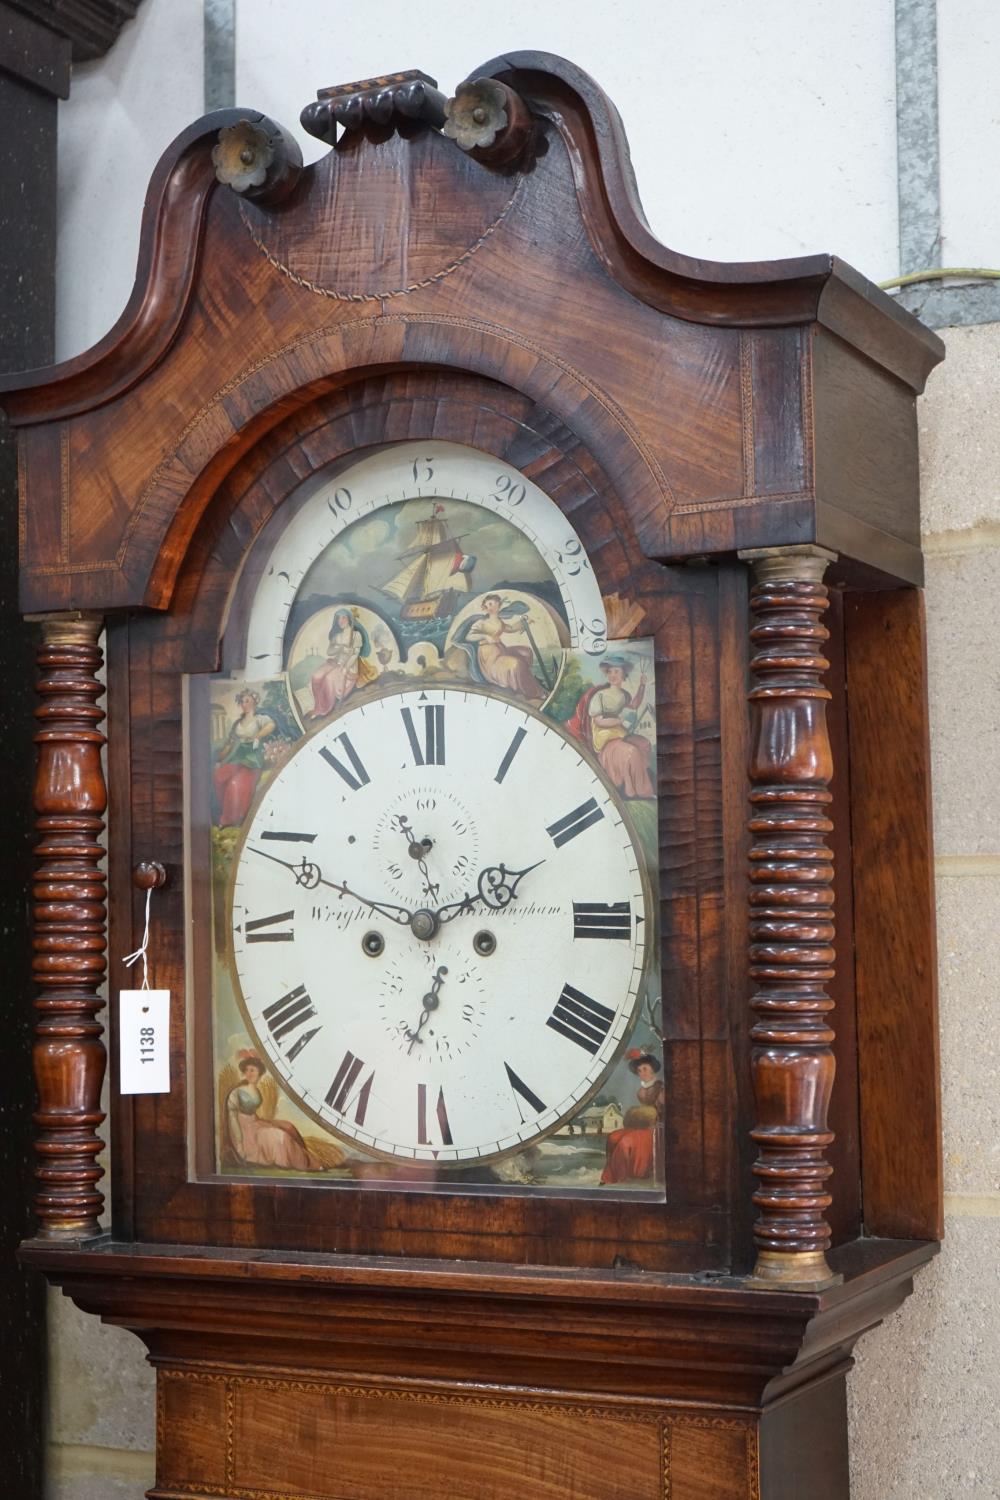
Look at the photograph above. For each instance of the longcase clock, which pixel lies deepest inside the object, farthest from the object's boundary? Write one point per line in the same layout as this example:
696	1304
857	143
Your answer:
515	736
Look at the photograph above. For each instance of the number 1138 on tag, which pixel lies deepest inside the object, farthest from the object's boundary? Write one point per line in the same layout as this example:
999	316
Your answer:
144	1041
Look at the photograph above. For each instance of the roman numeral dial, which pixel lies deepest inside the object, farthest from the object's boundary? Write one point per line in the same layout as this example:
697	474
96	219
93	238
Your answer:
581	1019
572	824
274	929
289	1015
439	924
602	920
424	728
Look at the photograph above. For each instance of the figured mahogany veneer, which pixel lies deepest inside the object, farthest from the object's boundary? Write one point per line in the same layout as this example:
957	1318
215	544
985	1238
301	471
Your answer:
494	283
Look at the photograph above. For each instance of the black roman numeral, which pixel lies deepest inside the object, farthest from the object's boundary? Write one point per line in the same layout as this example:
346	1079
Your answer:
255	935
584	816
287	838
287	1014
512	750
530	1098
596	919
356	777
584	1021
442	1117
339	1093
429	752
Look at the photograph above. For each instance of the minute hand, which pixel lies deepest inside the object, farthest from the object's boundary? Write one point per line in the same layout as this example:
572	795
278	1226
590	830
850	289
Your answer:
495	888
310	876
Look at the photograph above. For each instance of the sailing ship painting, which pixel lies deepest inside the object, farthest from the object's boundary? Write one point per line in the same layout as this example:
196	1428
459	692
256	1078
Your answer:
436	574
442	588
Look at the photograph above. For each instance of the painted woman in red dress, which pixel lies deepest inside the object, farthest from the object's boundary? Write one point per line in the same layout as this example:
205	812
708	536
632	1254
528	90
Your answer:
240	760
632	1151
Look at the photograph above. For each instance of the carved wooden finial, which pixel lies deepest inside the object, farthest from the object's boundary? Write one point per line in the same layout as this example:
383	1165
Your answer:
791	915
69	928
384	102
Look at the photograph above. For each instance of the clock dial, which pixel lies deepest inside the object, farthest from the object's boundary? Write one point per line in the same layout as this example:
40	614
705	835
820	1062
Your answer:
439	925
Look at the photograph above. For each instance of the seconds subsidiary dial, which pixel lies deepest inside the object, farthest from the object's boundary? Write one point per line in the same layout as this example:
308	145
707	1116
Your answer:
439	925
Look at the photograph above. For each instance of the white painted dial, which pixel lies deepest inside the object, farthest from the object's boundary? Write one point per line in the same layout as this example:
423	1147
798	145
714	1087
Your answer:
439	925
411	471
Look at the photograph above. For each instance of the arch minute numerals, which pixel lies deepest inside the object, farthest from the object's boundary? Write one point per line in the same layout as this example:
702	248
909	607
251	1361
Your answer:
469	1033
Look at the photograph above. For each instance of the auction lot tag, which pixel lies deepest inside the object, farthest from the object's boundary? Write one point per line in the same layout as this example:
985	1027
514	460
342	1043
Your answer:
144	1041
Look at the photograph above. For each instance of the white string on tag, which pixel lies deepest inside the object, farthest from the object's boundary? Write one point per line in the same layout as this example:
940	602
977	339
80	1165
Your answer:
143	948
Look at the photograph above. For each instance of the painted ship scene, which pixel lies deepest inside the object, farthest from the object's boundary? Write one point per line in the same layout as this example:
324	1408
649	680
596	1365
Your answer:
435	588
436	575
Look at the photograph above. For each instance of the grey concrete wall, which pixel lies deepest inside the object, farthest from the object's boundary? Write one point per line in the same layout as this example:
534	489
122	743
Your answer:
926	1391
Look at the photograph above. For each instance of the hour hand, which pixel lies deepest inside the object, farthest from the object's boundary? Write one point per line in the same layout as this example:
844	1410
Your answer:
495	889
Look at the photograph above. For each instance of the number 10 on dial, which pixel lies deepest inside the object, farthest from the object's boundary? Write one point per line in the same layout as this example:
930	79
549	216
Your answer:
439	926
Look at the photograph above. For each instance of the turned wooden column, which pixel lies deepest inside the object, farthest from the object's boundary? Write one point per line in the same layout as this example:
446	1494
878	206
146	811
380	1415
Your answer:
69	928
791	914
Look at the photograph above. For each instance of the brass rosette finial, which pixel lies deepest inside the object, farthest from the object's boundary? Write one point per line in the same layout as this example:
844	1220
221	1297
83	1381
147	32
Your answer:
242	156
488	118
257	159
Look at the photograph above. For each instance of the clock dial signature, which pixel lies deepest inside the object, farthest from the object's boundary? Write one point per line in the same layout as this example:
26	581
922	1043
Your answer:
476	1013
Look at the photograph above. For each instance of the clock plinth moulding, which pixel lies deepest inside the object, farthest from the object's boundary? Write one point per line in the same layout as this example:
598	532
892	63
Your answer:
737	469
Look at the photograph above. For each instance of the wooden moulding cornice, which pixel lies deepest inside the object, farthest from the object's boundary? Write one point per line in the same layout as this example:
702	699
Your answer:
808	289
687	1337
813	289
91	26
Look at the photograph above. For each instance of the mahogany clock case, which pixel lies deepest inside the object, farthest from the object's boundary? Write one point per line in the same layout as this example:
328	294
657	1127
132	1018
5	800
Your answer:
736	448
679	610
678	412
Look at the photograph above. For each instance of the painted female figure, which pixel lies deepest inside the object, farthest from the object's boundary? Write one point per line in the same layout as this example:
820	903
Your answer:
499	660
632	1151
347	664
262	1143
240	760
603	720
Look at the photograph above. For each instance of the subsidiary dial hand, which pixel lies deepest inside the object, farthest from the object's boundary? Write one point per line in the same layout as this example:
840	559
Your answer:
431	1003
310	876
495	888
418	850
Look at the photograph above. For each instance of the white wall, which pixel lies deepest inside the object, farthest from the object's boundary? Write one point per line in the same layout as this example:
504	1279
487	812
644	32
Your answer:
124	109
969	77
757	130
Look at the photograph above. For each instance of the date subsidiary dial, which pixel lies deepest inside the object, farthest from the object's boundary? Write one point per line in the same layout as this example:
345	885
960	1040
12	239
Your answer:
465	1007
